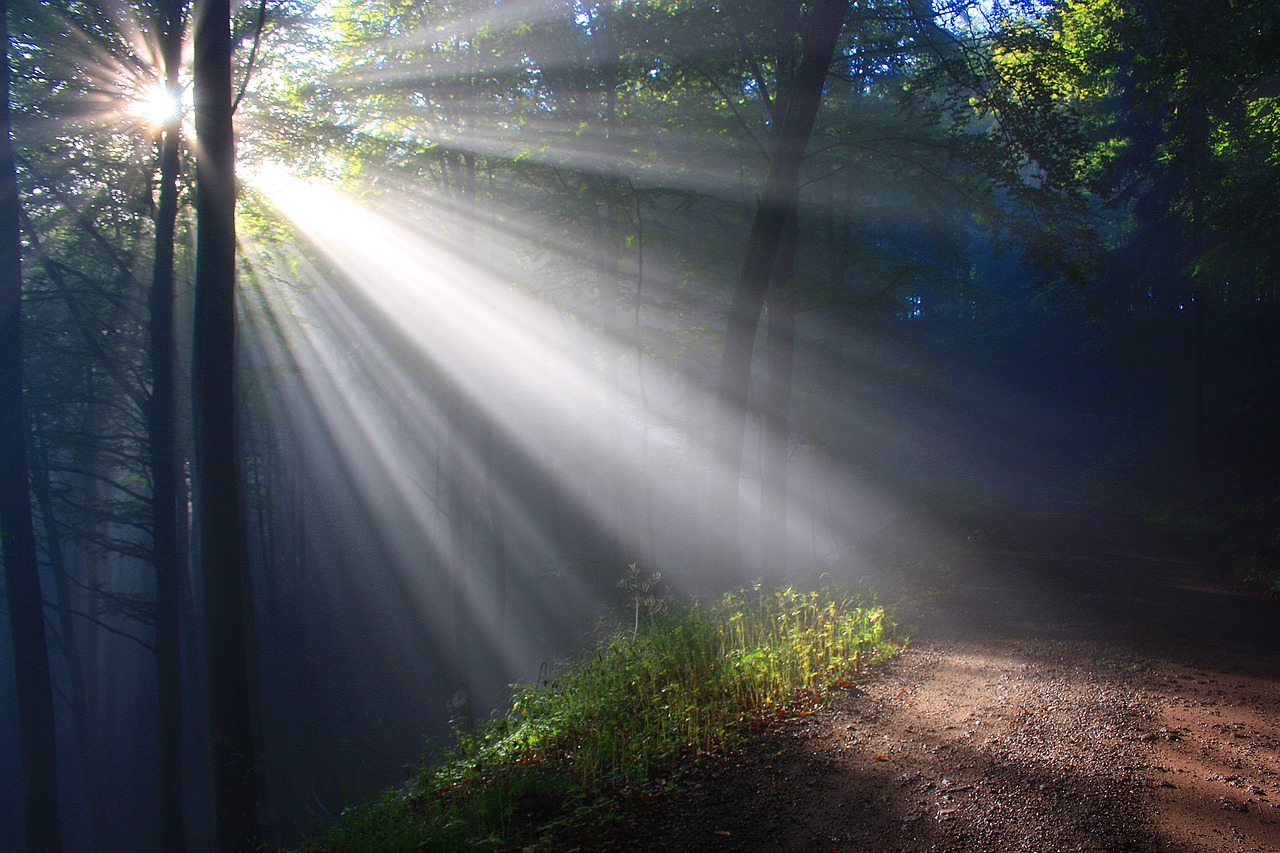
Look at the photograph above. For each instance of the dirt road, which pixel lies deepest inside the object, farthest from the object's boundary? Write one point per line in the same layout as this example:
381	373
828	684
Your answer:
1076	683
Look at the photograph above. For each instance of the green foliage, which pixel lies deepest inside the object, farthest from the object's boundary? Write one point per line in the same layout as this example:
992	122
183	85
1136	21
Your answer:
689	680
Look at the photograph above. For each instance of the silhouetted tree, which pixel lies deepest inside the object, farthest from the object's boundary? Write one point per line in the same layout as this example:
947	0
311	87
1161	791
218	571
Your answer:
777	203
17	532
222	553
161	414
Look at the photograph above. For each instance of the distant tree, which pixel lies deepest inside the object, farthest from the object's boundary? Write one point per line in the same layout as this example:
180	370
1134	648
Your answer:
17	532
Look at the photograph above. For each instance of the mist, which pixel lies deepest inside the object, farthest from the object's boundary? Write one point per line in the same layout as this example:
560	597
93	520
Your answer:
489	267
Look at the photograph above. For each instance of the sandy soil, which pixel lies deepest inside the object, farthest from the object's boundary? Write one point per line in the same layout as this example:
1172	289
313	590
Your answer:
1074	683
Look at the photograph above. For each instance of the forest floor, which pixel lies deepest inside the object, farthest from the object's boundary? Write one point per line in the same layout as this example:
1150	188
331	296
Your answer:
1074	682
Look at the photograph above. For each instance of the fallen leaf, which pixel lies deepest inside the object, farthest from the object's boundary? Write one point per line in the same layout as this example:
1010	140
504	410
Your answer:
723	833
881	758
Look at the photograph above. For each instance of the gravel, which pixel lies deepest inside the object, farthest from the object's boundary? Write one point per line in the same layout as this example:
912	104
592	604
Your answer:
1075	683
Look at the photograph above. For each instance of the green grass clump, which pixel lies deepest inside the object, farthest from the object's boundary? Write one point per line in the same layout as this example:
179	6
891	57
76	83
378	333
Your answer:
623	715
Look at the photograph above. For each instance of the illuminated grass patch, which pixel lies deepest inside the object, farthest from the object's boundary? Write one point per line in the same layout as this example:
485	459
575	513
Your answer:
623	715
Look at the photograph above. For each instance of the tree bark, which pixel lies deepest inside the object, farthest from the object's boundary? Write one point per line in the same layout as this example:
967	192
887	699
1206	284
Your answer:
777	202
1198	141
161	413
780	349
223	559
70	641
459	422
17	530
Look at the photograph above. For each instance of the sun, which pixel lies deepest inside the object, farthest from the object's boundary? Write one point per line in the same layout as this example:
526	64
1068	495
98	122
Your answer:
157	105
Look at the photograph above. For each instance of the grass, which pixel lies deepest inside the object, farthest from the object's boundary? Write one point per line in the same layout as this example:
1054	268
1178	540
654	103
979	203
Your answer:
623	717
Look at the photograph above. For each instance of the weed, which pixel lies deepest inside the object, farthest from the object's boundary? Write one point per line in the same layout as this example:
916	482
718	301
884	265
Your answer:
684	680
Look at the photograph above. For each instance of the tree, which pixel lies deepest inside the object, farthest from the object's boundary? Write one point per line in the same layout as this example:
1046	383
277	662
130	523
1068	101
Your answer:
17	532
161	415
1180	103
223	557
777	204
775	431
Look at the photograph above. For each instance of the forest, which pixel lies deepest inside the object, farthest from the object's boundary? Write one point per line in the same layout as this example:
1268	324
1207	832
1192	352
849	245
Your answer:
361	358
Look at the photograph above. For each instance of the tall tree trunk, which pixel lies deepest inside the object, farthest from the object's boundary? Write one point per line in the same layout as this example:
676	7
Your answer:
161	413
462	422
458	423
17	531
497	530
623	539
780	349
647	548
1198	131
222	551
1199	442
77	682
777	202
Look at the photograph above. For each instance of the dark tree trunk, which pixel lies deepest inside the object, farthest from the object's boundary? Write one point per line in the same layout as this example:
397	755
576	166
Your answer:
76	648
777	202
780	348
17	531
623	539
1199	441
459	423
462	422
497	529
77	684
223	559
648	547
1198	132
161	415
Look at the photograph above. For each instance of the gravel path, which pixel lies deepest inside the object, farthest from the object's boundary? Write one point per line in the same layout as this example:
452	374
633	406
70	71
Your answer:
1075	683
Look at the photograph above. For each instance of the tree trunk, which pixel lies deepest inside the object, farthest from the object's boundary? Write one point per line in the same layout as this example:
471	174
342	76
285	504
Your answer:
1198	440
458	423
777	202
222	553
780	349
161	415
1198	132
17	531
497	530
77	683
647	548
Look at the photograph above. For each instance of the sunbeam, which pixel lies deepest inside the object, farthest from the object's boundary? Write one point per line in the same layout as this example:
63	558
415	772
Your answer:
501	267
404	340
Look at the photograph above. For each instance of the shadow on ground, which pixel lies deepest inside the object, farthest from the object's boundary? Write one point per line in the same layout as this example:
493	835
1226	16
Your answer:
1075	681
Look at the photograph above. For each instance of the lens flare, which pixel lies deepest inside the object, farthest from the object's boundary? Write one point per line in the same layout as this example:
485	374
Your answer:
157	106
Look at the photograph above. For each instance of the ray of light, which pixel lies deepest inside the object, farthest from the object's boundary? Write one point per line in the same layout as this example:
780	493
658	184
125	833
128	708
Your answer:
402	324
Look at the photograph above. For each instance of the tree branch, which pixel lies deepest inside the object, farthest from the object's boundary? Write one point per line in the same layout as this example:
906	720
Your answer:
253	55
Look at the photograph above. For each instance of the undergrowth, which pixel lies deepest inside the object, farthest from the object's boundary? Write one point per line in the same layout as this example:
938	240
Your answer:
622	717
